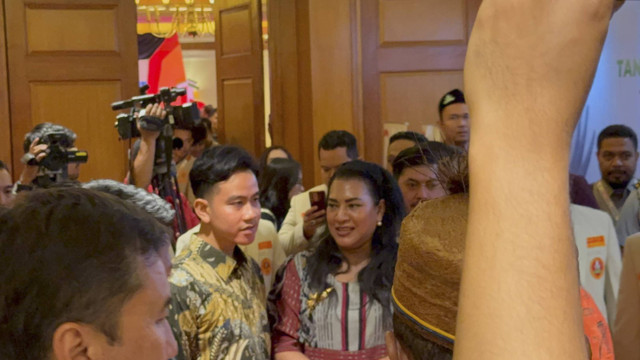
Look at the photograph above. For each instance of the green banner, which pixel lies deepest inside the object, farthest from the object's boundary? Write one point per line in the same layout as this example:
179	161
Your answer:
628	67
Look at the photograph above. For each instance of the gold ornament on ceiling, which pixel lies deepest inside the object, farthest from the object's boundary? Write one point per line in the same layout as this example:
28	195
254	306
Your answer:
165	18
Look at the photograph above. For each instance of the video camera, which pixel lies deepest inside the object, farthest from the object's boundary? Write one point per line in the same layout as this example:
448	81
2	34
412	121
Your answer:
164	180
186	115
58	156
52	168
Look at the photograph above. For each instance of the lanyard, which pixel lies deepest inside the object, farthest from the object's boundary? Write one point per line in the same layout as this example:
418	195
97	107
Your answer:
613	210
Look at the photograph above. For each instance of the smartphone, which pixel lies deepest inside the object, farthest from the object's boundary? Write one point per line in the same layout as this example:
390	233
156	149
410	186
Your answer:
317	199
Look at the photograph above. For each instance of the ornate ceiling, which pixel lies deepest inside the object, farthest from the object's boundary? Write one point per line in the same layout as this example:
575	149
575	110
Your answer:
173	2
164	18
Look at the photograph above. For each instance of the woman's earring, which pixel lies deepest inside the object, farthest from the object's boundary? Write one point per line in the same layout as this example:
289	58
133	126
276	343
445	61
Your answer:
380	223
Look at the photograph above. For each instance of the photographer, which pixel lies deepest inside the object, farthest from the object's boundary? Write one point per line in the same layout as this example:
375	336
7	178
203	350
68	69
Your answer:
6	186
144	155
48	146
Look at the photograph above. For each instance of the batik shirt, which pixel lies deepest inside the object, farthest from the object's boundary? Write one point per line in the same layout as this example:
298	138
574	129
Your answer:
338	323
217	305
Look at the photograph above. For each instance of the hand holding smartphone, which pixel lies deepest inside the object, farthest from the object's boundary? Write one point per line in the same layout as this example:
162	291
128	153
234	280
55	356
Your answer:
317	199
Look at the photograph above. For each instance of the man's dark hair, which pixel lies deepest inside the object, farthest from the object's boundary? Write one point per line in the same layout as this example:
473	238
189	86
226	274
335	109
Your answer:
426	153
339	138
455	96
218	164
153	204
618	131
417	346
3	166
408	135
69	255
43	129
199	133
207	123
209	110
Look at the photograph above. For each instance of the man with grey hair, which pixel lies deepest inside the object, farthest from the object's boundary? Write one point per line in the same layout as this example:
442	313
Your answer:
153	204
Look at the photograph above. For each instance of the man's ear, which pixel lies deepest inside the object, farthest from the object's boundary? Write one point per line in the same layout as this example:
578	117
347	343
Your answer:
72	341
201	208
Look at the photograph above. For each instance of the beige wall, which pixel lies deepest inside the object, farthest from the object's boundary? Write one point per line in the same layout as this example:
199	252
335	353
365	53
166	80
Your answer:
200	66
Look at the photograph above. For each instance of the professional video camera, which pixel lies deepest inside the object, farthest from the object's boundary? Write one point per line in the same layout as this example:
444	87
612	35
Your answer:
164	179
53	167
186	115
58	156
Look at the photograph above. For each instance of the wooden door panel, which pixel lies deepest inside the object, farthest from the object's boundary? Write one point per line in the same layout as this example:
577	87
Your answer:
291	101
5	122
97	127
413	53
360	64
413	97
68	60
240	74
238	95
332	71
421	21
421	58
50	30
235	30
91	67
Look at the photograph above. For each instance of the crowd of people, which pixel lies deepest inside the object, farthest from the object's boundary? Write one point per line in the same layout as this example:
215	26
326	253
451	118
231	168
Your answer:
447	247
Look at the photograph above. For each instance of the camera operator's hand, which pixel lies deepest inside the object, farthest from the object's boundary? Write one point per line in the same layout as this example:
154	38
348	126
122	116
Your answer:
37	152
155	111
143	162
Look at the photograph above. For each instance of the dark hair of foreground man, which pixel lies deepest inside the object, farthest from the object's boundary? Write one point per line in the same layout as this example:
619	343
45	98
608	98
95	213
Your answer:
69	256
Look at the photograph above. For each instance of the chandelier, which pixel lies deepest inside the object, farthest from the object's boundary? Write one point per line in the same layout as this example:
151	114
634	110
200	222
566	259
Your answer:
165	18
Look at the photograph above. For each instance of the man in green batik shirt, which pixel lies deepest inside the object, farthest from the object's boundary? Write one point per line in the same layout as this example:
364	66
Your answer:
218	298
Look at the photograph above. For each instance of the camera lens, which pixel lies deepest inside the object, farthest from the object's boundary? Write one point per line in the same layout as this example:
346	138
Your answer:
177	143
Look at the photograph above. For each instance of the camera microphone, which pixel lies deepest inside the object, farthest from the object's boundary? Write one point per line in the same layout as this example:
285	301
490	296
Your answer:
120	105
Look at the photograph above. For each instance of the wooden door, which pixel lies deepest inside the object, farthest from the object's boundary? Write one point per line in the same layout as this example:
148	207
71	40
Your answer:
412	53
315	75
5	123
68	60
239	71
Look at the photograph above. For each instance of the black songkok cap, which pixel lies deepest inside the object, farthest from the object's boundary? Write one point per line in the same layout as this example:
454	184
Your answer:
452	97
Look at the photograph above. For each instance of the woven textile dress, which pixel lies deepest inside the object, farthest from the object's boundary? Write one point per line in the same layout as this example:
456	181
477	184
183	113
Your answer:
339	323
